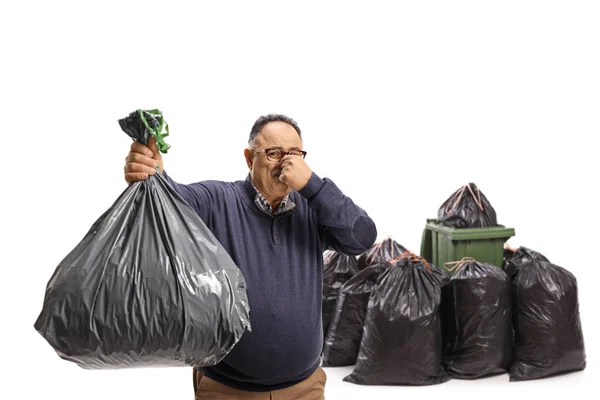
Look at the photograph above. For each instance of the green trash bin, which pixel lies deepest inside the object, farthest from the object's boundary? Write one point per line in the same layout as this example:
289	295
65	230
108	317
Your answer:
441	244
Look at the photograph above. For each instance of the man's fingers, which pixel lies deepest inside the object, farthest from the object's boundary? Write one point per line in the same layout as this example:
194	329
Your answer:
135	176
133	167
286	163
290	160
152	146
137	147
141	159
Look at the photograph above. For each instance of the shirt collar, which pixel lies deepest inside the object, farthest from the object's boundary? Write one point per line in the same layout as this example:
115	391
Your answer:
264	204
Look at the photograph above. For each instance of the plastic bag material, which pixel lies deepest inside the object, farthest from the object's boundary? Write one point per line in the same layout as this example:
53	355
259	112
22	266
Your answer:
141	125
338	268
467	208
523	257
380	252
477	320
507	255
147	286
342	341
402	339
548	334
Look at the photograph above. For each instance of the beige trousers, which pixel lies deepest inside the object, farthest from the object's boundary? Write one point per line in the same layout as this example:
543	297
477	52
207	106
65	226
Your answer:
312	388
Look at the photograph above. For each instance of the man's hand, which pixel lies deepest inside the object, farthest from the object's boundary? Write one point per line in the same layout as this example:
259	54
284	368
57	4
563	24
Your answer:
142	160
294	172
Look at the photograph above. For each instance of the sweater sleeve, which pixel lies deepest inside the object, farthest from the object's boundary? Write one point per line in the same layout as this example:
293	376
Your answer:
345	227
196	195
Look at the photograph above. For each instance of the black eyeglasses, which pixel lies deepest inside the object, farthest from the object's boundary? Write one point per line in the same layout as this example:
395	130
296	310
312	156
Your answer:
276	154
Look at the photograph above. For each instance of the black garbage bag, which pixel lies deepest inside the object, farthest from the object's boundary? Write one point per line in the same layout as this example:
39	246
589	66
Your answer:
338	268
402	339
467	208
507	255
477	321
148	285
548	335
345	331
522	257
380	252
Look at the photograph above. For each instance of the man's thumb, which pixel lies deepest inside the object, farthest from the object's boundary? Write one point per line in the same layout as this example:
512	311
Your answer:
153	148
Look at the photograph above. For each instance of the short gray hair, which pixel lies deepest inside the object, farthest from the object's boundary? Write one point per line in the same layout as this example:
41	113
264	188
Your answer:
265	119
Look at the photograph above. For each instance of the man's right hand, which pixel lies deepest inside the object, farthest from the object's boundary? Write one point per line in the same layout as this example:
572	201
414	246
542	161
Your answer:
142	160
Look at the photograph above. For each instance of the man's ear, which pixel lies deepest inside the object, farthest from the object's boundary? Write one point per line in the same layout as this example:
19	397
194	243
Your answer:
249	157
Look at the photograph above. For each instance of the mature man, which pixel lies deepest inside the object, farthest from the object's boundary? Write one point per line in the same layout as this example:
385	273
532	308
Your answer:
275	225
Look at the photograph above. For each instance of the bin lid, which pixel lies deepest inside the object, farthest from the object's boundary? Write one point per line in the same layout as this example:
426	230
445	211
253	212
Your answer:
495	232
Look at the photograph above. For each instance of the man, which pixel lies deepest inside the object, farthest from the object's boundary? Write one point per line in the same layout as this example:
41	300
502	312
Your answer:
275	225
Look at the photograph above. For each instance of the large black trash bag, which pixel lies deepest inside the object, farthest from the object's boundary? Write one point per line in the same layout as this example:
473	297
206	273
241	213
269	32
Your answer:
522	257
148	285
338	268
547	327
477	321
402	339
380	252
345	331
467	208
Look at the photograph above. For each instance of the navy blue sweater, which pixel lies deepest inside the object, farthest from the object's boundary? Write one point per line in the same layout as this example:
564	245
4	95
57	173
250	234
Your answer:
281	258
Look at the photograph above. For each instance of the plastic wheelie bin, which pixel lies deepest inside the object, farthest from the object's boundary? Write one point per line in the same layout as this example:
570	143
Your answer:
441	244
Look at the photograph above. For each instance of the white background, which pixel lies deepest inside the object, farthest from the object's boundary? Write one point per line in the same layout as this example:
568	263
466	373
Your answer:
400	104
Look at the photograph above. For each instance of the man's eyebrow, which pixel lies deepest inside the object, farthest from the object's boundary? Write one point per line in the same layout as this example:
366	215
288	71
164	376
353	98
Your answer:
282	149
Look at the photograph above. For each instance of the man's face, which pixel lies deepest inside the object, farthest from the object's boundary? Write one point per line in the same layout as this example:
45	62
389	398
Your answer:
265	173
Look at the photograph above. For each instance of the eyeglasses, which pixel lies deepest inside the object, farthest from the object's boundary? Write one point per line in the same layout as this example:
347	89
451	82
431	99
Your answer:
276	154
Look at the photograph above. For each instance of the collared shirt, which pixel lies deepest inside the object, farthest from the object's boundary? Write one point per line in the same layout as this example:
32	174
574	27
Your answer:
265	206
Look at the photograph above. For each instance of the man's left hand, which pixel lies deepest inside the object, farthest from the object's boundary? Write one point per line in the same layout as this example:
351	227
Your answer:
294	172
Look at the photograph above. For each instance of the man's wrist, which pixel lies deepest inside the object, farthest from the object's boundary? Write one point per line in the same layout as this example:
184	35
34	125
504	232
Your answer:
312	187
